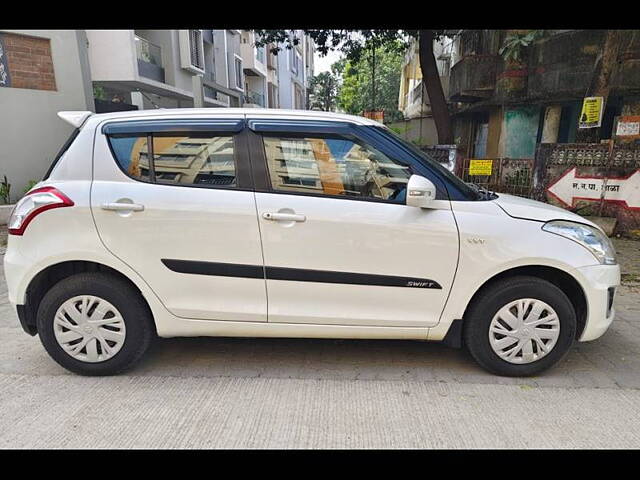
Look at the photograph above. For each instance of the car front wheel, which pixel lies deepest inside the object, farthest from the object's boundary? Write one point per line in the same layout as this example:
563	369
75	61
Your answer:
520	326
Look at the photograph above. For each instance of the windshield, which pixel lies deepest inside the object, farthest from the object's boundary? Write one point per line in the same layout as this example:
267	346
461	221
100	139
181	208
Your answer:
465	188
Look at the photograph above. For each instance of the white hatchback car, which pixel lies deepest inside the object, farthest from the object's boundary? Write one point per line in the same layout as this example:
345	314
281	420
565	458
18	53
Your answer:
273	223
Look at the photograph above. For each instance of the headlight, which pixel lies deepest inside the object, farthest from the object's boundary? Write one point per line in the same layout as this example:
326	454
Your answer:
590	238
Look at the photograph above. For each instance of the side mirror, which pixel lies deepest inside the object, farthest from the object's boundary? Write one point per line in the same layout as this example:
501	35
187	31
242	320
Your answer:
420	192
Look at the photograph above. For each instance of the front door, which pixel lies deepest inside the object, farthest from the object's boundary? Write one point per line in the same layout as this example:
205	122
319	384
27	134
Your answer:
174	200
340	245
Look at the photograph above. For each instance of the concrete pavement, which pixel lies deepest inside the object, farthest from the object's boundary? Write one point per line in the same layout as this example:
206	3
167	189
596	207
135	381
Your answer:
285	393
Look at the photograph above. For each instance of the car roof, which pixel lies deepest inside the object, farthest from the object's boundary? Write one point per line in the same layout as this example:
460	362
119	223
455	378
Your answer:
261	113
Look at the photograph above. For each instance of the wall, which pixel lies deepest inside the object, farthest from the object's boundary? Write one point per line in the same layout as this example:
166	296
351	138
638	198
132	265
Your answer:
119	67
285	83
520	131
30	131
419	131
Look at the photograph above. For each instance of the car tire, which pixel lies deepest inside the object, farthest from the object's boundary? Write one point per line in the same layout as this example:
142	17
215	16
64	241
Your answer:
118	323
505	300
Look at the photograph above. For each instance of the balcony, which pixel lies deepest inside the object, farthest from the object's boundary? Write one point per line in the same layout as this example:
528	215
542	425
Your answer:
253	61
417	102
255	99
562	65
473	78
149	60
272	60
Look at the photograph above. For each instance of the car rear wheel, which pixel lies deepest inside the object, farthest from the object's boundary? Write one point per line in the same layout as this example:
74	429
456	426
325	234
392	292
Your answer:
520	326
94	324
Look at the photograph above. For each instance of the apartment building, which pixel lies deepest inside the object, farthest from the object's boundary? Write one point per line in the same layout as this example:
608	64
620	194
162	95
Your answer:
155	68
254	66
143	69
295	69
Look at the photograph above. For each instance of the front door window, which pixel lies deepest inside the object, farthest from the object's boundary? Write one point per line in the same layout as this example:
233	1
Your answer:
336	167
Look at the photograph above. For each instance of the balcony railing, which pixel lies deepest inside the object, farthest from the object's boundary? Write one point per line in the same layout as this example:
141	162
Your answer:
149	58
254	98
473	78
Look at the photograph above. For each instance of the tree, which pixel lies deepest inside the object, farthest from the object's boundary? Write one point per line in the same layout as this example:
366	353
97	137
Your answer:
372	82
353	43
324	87
603	71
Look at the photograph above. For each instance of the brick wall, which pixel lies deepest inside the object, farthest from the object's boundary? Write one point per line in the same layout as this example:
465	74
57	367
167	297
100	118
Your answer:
29	61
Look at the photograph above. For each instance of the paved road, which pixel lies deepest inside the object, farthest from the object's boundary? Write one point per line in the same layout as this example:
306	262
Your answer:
281	393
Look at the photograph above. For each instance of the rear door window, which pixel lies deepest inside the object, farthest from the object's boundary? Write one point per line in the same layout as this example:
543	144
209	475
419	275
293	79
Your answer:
179	158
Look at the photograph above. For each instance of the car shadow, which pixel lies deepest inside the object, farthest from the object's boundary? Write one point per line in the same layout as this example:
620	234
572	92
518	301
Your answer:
304	358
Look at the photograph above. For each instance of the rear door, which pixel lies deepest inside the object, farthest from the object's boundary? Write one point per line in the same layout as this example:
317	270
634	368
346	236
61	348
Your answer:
173	199
340	245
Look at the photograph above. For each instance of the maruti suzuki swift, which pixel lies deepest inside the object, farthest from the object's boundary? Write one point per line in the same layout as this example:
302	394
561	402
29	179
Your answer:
274	223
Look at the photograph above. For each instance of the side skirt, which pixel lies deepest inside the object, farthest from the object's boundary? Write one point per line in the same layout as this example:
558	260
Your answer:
180	327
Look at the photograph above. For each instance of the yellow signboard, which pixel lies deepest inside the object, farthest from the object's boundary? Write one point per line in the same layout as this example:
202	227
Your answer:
480	167
591	115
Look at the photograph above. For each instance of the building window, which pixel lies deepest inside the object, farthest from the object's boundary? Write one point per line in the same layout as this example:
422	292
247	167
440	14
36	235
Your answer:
196	49
260	54
294	60
273	95
238	72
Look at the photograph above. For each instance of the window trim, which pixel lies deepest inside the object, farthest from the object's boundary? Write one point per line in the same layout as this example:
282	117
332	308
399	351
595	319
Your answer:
238	71
244	180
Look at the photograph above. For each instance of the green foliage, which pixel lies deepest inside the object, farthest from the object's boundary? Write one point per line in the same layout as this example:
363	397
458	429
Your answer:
515	43
98	92
323	90
29	185
519	178
354	44
5	191
356	92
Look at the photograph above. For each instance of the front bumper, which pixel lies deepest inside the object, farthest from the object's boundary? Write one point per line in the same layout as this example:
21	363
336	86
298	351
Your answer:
599	283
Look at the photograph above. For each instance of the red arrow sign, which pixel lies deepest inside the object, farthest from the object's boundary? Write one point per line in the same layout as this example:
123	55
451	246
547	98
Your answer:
571	187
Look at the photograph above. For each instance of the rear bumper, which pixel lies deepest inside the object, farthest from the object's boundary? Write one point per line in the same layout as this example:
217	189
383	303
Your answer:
15	269
599	283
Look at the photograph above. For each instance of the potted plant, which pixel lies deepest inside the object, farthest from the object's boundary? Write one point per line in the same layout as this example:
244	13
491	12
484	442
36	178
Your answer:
5	201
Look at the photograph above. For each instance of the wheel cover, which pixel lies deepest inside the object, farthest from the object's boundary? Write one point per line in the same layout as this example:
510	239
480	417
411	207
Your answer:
524	331
89	328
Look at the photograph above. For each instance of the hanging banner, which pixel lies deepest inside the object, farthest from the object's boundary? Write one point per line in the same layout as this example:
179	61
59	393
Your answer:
591	115
5	77
628	126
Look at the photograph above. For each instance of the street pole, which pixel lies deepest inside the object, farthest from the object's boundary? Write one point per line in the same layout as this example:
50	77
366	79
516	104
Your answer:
373	78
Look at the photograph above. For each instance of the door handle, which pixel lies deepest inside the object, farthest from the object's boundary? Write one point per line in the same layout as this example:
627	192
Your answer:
121	207
287	217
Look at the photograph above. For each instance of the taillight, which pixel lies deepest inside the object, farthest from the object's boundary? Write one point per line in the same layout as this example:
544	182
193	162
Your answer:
34	203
